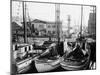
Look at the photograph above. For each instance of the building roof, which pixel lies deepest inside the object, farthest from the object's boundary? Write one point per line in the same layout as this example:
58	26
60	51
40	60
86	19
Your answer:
16	26
45	22
38	21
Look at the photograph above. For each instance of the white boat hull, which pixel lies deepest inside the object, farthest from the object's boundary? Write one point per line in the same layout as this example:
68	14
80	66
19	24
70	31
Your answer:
24	65
47	66
43	67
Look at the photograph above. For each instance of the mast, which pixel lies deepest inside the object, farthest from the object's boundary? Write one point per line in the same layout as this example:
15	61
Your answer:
24	21
68	31
57	19
81	19
30	23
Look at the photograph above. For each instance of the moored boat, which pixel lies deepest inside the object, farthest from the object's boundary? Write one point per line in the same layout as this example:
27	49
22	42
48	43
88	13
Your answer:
77	59
22	57
49	60
24	65
45	65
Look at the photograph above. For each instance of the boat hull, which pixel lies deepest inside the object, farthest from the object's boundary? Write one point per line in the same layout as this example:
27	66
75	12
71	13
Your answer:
75	67
24	65
78	63
47	66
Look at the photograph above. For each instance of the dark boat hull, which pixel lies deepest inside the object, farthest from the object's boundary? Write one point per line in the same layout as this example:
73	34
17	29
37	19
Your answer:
83	66
76	64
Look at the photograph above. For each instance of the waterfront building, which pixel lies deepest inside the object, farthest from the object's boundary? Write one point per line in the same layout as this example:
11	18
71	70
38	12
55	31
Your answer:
46	27
92	23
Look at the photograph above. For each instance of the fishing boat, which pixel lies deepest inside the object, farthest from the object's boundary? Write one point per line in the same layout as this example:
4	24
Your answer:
21	57
25	55
77	59
38	42
45	65
48	60
24	65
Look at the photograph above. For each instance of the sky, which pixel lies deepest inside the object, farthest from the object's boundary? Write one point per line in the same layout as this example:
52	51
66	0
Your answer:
46	12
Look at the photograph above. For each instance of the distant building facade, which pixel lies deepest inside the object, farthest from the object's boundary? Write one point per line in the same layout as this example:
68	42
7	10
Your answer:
92	23
49	28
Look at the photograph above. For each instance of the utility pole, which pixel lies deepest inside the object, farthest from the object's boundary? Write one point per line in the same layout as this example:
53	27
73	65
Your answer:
24	21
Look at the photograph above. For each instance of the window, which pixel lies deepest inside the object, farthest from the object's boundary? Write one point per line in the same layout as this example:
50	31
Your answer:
25	49
29	47
41	26
54	26
49	32
53	32
48	26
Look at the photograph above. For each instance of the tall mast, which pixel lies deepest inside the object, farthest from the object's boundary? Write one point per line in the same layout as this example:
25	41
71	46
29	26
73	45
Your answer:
68	31
57	19
81	19
24	22
30	23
